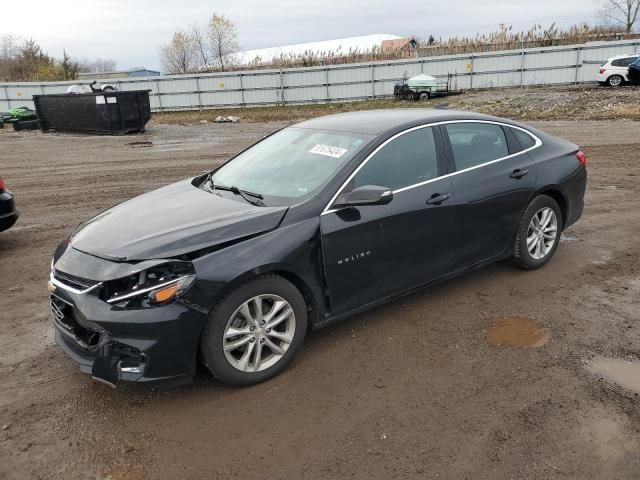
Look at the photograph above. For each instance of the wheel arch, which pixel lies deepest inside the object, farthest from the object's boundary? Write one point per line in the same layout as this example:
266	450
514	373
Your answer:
315	306
558	196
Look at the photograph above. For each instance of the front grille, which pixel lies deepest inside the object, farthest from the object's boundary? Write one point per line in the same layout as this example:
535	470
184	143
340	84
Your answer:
72	281
62	313
58	308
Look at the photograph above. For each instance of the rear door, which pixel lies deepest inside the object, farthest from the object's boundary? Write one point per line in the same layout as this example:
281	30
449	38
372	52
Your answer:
620	66
493	180
374	251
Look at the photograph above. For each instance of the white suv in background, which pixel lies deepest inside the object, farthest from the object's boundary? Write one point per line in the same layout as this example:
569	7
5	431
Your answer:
616	71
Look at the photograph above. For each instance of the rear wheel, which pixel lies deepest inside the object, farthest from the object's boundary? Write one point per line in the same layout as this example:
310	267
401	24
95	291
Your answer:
424	96
255	331
538	233
615	81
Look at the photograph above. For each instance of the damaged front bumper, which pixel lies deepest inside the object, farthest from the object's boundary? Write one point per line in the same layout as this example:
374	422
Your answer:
115	345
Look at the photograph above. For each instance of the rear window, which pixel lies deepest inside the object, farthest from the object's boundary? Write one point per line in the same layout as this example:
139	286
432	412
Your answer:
526	141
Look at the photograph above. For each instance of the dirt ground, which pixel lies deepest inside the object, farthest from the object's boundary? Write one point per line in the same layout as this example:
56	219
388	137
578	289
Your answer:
421	388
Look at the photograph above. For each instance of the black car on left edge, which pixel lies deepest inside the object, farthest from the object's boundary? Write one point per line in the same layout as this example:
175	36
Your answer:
310	225
8	213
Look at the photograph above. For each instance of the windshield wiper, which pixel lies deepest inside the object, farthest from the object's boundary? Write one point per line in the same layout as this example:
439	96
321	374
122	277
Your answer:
245	194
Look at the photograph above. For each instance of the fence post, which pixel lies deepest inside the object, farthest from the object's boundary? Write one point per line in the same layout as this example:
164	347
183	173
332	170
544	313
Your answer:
241	90
578	55
373	82
326	82
158	94
6	95
421	66
471	73
522	63
198	90
282	88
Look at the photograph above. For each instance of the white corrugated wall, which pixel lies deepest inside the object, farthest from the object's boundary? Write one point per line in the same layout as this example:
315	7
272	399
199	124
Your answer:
535	66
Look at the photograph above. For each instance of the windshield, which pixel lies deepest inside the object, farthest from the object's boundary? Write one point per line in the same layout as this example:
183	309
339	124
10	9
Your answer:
290	164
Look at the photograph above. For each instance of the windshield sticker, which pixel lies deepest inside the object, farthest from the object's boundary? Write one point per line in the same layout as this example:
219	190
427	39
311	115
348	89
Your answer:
328	150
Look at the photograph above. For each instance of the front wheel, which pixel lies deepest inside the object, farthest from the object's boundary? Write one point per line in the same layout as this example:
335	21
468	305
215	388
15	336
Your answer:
255	331
538	234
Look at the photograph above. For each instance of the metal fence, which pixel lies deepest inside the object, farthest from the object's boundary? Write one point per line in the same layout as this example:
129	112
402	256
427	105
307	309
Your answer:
510	68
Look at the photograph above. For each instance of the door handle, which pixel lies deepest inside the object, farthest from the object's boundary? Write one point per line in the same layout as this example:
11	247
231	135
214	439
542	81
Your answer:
517	173
437	199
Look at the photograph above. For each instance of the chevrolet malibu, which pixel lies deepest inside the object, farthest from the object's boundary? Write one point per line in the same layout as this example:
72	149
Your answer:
310	225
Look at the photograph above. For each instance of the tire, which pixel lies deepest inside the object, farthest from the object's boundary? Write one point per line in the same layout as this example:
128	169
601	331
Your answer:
26	125
409	96
228	317
615	81
108	88
424	96
523	256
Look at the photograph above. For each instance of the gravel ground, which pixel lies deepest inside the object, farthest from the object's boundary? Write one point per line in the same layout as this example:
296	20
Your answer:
573	102
420	388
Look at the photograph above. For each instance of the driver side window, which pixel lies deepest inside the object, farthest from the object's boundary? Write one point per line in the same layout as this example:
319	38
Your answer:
408	159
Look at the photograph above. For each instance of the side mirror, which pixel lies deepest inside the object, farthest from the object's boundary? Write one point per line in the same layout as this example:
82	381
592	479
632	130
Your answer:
365	195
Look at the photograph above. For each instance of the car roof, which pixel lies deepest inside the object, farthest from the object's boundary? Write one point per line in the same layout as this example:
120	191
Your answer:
375	122
624	55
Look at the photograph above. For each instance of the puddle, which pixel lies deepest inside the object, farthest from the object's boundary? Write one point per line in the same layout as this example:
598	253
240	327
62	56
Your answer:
140	144
623	372
517	332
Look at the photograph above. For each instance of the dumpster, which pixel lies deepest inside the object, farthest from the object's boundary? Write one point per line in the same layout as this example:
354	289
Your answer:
110	113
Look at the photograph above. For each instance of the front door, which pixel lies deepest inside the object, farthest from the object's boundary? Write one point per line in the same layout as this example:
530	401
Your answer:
375	251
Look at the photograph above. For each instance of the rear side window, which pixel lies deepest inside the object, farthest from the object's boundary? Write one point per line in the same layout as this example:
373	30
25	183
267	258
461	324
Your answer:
476	143
408	159
623	62
526	141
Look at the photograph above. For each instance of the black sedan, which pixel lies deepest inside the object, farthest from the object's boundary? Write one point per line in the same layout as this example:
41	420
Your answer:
8	212
310	225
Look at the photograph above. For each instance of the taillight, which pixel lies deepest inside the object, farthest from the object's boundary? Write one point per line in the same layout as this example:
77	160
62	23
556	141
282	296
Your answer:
582	158
602	70
1	184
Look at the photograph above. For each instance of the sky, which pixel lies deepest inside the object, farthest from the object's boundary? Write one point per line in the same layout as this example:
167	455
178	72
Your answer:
132	32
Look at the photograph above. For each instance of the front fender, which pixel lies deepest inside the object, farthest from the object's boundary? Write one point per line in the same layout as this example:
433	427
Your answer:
293	249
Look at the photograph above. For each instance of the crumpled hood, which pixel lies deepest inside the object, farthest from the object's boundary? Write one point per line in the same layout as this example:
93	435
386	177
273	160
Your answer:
171	221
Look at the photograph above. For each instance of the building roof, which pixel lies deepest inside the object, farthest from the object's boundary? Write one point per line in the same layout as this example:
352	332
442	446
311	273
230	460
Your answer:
339	46
129	70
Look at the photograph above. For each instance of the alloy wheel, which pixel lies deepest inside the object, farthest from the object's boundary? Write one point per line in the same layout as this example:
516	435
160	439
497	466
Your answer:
615	81
542	233
259	333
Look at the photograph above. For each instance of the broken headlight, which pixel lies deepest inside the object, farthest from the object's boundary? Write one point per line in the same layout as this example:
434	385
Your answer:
152	287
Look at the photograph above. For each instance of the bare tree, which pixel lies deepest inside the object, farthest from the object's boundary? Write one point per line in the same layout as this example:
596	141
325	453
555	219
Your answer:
620	12
223	40
9	46
178	55
201	48
98	65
